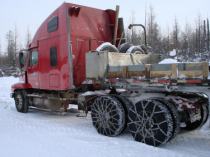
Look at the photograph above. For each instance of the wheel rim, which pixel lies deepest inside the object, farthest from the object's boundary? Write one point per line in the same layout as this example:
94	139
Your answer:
19	102
108	116
150	122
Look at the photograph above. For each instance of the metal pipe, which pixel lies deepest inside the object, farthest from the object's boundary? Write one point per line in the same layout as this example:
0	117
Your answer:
116	25
145	33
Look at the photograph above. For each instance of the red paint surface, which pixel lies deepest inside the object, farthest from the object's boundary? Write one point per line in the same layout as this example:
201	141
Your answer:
89	29
21	86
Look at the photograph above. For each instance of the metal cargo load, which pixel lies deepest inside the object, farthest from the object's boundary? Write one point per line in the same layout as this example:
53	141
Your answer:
123	65
111	64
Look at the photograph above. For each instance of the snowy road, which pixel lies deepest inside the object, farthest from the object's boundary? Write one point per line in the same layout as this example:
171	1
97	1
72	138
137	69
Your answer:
46	135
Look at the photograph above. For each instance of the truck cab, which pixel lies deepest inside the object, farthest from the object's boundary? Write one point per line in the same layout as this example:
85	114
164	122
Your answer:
53	66
56	57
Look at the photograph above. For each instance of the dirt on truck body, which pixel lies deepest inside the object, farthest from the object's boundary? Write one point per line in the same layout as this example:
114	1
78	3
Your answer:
71	60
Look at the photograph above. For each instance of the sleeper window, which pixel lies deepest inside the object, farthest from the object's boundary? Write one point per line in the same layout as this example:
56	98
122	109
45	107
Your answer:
53	56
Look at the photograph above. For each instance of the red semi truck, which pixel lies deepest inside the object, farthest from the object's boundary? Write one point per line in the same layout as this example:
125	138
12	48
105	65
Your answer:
61	66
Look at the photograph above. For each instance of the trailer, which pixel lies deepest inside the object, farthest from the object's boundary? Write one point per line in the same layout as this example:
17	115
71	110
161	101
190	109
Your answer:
78	56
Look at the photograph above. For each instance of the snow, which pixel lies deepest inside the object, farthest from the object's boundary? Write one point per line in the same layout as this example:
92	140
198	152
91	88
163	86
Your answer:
49	135
168	61
172	53
102	45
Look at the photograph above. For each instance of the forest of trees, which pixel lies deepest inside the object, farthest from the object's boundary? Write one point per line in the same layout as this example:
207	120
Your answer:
13	46
190	43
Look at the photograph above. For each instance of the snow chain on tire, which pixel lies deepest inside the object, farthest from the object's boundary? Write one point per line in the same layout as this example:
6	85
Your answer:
126	105
108	116
151	122
175	116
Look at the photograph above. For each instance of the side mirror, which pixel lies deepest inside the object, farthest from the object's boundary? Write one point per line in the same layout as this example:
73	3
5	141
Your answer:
21	60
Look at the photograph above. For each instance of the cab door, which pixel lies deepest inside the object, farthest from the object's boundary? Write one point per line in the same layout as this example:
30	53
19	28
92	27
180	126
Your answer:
33	69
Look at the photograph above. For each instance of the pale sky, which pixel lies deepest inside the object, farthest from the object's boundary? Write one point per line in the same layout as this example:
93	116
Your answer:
30	14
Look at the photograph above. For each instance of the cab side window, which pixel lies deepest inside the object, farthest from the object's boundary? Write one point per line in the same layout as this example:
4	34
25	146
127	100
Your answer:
34	58
52	25
53	56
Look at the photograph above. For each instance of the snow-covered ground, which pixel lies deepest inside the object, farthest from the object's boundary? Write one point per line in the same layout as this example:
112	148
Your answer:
48	135
168	61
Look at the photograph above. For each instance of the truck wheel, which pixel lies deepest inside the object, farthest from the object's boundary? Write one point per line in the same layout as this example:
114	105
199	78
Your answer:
175	116
204	116
124	47
126	104
135	49
150	122
21	101
108	116
107	47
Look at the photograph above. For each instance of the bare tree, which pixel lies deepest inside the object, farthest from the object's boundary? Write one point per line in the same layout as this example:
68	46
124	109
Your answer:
176	32
153	32
150	25
11	47
28	38
191	39
184	42
199	34
204	40
166	42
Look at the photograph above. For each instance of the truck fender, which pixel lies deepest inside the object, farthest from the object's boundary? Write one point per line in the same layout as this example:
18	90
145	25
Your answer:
20	86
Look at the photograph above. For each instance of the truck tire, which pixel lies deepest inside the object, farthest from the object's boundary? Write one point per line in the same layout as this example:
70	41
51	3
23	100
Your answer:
175	116
151	122
108	116
107	47
204	117
21	101
124	47
126	104
135	49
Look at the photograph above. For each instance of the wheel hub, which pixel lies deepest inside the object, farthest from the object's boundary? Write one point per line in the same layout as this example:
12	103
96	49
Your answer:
104	118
